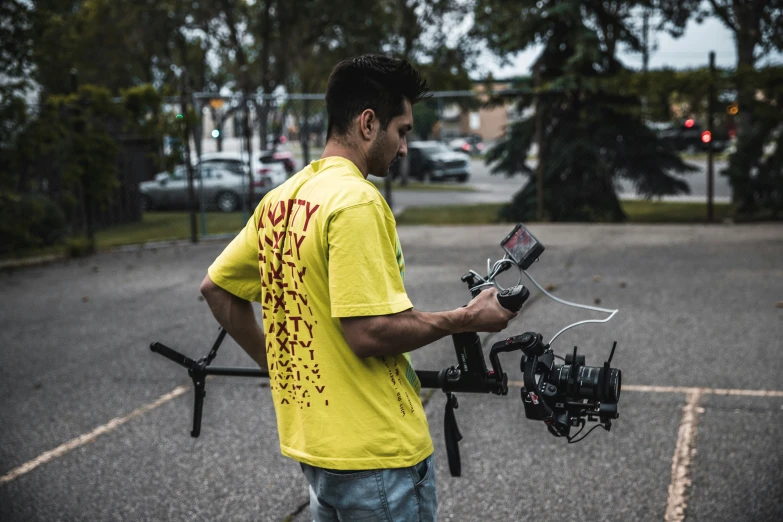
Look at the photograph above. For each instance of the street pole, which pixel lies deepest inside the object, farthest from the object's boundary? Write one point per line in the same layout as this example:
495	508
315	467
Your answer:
249	145
645	59
539	139
710	149
188	164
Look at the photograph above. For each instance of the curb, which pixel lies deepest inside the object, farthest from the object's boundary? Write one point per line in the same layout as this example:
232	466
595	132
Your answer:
27	262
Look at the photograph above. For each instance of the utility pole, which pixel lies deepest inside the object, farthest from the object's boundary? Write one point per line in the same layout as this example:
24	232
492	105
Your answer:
710	149
183	99
645	58
539	146
249	144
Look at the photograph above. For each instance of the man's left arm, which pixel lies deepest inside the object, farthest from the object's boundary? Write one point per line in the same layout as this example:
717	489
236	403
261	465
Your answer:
238	318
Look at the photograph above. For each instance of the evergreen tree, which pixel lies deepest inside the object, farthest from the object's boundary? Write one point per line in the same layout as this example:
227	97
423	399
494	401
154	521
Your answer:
592	131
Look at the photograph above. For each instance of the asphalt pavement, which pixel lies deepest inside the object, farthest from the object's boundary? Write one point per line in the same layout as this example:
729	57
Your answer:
93	426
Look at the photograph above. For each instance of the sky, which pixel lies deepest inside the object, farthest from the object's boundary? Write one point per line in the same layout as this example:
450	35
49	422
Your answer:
689	51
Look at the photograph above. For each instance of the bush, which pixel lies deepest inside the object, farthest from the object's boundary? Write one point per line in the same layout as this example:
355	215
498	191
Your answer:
78	247
29	221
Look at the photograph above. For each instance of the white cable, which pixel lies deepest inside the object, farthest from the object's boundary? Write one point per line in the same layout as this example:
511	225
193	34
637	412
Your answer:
496	268
575	305
582	322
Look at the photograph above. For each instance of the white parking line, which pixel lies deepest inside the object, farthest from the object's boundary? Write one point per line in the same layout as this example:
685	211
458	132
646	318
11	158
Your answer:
81	440
703	391
681	462
686	390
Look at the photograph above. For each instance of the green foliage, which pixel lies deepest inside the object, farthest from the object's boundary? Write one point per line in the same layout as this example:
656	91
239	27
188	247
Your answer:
425	116
86	151
144	116
79	247
592	132
29	221
755	170
143	106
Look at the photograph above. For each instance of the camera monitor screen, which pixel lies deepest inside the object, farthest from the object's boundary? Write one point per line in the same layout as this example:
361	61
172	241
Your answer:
522	246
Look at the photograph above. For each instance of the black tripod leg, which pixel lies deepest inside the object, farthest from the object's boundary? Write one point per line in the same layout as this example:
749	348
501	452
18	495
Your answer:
174	355
198	406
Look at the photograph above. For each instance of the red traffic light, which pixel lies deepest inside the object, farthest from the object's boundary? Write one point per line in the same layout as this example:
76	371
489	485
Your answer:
706	137
689	123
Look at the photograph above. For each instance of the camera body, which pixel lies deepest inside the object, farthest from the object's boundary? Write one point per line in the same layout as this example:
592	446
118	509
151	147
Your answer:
563	395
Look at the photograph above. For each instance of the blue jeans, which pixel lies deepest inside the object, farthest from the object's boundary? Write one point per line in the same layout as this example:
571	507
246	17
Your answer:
391	495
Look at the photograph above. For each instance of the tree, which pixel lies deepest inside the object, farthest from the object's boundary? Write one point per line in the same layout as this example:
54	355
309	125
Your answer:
592	132
757	29
755	169
85	151
16	49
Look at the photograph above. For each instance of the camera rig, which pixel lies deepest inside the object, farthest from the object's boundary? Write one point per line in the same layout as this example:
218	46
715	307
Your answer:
561	395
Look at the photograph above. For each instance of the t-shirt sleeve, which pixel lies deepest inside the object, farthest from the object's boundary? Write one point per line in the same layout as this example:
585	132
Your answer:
364	272
236	268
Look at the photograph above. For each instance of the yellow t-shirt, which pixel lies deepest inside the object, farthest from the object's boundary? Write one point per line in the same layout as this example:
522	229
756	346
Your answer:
325	246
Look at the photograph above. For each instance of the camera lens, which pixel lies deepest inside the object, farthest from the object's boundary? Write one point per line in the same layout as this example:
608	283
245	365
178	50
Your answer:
584	382
587	381
615	383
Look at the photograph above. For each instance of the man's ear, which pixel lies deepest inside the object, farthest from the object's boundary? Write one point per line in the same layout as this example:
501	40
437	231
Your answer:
368	124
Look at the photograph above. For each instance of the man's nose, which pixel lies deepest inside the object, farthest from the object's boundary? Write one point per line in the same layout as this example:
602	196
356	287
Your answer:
403	151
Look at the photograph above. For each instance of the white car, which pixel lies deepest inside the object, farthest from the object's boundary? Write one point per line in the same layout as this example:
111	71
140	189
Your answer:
216	187
273	170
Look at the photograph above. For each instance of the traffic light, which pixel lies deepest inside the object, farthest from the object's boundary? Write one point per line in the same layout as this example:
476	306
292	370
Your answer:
706	136
689	123
216	133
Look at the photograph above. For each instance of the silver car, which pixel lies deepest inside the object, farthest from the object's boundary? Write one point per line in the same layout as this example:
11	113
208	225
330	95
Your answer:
216	186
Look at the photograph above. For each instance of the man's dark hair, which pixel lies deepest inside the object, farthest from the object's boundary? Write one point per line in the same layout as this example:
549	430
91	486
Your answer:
372	82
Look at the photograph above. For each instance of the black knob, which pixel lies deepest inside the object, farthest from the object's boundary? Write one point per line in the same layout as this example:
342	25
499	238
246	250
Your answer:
513	298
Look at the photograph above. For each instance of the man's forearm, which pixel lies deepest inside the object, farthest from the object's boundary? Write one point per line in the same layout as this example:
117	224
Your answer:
403	332
406	331
238	318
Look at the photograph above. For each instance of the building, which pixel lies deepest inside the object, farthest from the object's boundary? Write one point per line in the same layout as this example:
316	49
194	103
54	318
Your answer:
489	123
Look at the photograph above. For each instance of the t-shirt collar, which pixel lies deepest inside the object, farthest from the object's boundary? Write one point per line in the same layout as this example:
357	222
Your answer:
335	161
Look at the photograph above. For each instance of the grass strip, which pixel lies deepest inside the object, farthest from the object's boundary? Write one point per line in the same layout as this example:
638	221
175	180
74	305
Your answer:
637	212
168	226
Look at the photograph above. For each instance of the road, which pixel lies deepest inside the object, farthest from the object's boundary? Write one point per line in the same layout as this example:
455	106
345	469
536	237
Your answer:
500	189
96	427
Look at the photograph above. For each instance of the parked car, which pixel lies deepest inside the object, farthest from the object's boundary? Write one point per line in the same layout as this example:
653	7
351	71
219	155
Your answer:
285	157
687	137
472	144
223	187
238	160
434	161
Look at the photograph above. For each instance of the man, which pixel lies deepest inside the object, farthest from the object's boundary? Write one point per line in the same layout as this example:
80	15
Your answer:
321	255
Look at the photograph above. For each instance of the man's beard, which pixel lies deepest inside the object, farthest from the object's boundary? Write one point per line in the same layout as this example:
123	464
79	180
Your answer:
376	160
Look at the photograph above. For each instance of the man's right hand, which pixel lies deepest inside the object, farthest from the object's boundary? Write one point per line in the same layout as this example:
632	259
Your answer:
486	314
